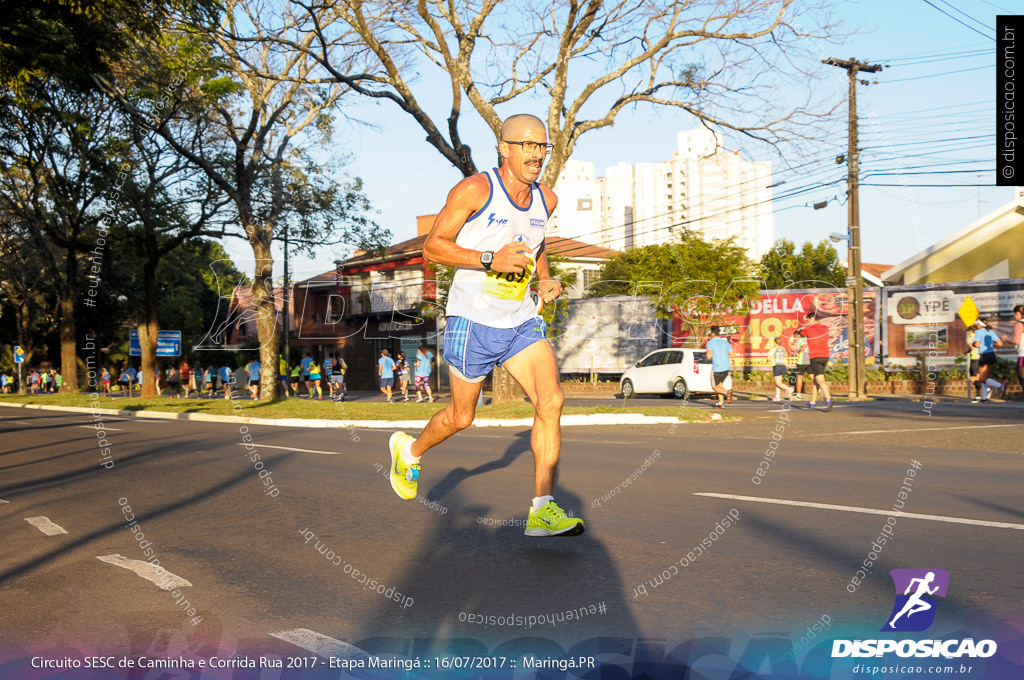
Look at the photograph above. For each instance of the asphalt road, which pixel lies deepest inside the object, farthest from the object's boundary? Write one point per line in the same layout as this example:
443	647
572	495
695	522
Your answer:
253	558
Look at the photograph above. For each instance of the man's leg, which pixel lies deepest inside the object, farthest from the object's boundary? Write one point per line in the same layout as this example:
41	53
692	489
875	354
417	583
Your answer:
458	415
819	380
536	371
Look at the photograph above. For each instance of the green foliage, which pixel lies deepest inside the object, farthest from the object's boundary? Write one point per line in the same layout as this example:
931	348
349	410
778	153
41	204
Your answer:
701	280
817	266
72	41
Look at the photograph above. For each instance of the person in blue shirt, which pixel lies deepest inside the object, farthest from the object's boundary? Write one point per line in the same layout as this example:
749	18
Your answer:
986	340
224	373
386	371
719	350
423	365
253	367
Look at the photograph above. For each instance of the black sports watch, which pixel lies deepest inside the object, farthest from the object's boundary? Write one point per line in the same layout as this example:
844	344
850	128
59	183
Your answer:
486	258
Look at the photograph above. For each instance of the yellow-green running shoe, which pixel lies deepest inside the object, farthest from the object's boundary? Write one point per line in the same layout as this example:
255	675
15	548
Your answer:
403	477
551	520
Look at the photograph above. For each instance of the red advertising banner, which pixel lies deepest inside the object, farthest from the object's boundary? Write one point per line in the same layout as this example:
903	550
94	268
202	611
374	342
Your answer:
753	334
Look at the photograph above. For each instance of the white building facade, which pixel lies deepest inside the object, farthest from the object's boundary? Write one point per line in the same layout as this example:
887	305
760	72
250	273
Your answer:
703	188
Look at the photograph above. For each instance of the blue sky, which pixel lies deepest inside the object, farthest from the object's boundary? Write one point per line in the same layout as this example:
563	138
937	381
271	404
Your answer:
931	109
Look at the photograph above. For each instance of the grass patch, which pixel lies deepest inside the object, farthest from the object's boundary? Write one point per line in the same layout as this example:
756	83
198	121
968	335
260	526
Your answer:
349	410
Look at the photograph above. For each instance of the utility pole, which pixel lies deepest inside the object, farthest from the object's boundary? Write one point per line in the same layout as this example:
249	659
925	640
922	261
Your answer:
854	282
287	339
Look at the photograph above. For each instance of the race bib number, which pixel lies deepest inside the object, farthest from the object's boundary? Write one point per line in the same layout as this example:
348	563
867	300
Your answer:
508	285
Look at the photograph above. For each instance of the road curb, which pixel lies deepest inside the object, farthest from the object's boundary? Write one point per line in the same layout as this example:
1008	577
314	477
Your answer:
576	419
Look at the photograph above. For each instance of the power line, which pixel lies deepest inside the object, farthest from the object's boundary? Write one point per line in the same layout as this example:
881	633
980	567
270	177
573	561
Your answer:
930	4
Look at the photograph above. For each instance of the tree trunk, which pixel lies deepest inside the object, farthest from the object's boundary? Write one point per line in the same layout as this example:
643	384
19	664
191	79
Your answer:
149	328
504	387
266	321
67	299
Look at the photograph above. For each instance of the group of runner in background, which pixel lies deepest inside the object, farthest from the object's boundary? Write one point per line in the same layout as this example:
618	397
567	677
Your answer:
390	371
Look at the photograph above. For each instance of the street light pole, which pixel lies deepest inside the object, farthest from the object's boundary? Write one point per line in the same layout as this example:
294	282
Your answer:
854	282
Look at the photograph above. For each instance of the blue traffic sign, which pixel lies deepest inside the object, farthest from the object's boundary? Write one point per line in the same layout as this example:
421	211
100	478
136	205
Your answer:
19	354
168	344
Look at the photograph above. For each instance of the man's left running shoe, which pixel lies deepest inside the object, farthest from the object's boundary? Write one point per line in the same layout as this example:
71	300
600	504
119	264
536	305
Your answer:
551	520
403	477
828	405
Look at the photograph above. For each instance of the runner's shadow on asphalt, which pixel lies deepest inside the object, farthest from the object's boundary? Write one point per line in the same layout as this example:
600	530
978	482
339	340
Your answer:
451	481
475	560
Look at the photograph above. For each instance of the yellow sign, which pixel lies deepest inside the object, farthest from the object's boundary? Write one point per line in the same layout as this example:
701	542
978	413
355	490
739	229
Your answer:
968	312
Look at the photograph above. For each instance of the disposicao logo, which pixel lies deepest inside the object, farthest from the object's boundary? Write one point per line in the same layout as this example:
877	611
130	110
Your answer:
914	611
492	220
916	590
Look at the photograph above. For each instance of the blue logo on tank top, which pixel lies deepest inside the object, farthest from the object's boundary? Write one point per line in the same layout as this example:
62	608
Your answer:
491	220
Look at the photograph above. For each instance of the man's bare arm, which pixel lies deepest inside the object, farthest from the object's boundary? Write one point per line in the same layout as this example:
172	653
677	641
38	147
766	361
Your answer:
465	199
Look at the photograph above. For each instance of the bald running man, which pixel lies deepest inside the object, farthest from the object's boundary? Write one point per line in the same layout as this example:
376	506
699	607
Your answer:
491	230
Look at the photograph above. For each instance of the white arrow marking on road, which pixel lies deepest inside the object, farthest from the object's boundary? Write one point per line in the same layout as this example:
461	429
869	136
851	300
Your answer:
290	448
3	501
46	526
312	641
916	429
164	579
93	427
867	511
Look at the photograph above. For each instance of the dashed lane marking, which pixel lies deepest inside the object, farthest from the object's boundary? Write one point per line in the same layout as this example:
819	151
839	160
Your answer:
289	448
319	644
46	526
163	579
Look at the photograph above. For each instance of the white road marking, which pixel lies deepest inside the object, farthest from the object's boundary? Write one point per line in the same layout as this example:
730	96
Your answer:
3	501
164	579
916	429
46	526
867	511
22	422
291	448
102	427
319	644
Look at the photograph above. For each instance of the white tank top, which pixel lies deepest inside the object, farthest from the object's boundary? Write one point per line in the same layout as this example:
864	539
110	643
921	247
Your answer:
1020	344
497	299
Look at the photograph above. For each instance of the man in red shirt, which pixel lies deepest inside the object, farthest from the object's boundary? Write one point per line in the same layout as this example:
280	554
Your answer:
820	350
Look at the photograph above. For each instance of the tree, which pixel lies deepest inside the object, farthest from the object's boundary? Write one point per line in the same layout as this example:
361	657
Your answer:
698	280
266	119
55	151
27	290
171	201
817	266
724	65
71	41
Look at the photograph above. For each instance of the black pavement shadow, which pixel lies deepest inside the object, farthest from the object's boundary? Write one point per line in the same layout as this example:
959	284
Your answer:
520	445
983	503
26	566
467	565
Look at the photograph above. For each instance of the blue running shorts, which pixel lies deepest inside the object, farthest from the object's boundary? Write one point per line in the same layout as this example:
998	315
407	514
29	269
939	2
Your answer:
472	349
